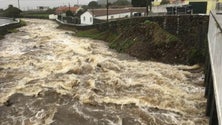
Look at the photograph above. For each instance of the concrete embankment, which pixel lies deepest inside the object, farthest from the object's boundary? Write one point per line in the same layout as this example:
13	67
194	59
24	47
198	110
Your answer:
8	25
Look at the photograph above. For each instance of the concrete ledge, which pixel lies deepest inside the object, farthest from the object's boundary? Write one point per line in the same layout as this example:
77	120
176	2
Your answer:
215	56
14	22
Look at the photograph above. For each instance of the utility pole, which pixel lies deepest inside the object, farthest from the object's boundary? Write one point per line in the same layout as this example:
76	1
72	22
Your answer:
148	6
18	4
78	2
107	11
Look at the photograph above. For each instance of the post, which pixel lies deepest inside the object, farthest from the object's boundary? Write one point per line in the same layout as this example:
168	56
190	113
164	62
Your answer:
78	2
148	6
213	114
107	11
18	4
147	9
210	95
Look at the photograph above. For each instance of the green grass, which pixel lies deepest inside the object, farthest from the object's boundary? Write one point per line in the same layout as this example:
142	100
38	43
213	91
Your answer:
22	23
95	34
35	15
12	30
88	33
121	45
115	41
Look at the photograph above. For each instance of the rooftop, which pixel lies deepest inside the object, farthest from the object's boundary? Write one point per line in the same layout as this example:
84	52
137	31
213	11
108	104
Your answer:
103	12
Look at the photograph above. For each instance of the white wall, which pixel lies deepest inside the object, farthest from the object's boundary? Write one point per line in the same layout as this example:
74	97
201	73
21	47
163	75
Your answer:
53	16
86	18
114	16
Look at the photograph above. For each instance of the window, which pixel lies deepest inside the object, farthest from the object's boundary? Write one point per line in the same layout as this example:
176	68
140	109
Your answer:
84	18
112	17
90	19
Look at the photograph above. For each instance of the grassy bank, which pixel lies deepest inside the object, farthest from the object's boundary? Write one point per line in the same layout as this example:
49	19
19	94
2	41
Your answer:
147	40
10	28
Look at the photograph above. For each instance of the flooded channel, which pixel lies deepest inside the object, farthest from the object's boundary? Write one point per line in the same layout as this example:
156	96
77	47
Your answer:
48	76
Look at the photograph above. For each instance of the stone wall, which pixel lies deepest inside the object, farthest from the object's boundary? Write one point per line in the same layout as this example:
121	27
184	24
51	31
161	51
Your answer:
189	28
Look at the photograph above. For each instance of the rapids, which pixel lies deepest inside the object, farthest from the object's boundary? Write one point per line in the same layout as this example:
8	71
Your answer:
48	76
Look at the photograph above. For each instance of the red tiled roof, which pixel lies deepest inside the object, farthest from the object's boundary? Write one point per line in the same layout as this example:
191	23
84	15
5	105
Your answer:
65	8
101	12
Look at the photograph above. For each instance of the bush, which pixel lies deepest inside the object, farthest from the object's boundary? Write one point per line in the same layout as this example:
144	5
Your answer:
12	12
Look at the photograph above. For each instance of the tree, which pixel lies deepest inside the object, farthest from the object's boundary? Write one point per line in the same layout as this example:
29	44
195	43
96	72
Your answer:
69	13
121	2
50	11
12	12
85	7
93	4
80	12
165	2
139	3
142	3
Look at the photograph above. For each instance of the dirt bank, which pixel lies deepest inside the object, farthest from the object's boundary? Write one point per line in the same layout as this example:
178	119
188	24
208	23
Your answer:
147	41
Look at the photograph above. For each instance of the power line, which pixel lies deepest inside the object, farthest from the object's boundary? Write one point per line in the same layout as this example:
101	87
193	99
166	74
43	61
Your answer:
18	4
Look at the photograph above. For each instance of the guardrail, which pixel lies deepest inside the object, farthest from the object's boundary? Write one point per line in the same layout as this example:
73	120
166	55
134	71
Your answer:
213	78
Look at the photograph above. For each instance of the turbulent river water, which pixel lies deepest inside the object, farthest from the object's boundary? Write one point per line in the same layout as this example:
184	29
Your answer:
48	76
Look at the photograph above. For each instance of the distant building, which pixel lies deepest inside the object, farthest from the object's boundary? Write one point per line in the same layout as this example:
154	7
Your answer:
63	9
103	2
202	6
53	17
88	17
42	8
156	2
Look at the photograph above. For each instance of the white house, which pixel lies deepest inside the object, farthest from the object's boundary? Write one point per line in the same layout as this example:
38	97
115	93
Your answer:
53	17
88	17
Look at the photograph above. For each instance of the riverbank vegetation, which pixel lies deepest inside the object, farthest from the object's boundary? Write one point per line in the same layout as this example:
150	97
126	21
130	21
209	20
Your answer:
146	41
10	28
43	14
11	12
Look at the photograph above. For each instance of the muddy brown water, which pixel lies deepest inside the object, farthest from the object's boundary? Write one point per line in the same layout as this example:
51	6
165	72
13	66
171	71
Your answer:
48	76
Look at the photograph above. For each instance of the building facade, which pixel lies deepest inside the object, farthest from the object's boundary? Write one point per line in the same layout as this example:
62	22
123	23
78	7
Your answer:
103	2
88	17
202	6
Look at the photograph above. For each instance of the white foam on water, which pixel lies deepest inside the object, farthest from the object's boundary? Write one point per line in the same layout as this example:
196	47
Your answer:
93	74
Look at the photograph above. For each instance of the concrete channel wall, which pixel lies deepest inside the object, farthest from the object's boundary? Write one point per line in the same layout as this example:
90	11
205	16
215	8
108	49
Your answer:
4	21
213	79
189	28
8	23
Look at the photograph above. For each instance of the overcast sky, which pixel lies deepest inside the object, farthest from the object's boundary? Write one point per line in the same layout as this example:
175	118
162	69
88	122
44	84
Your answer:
32	4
